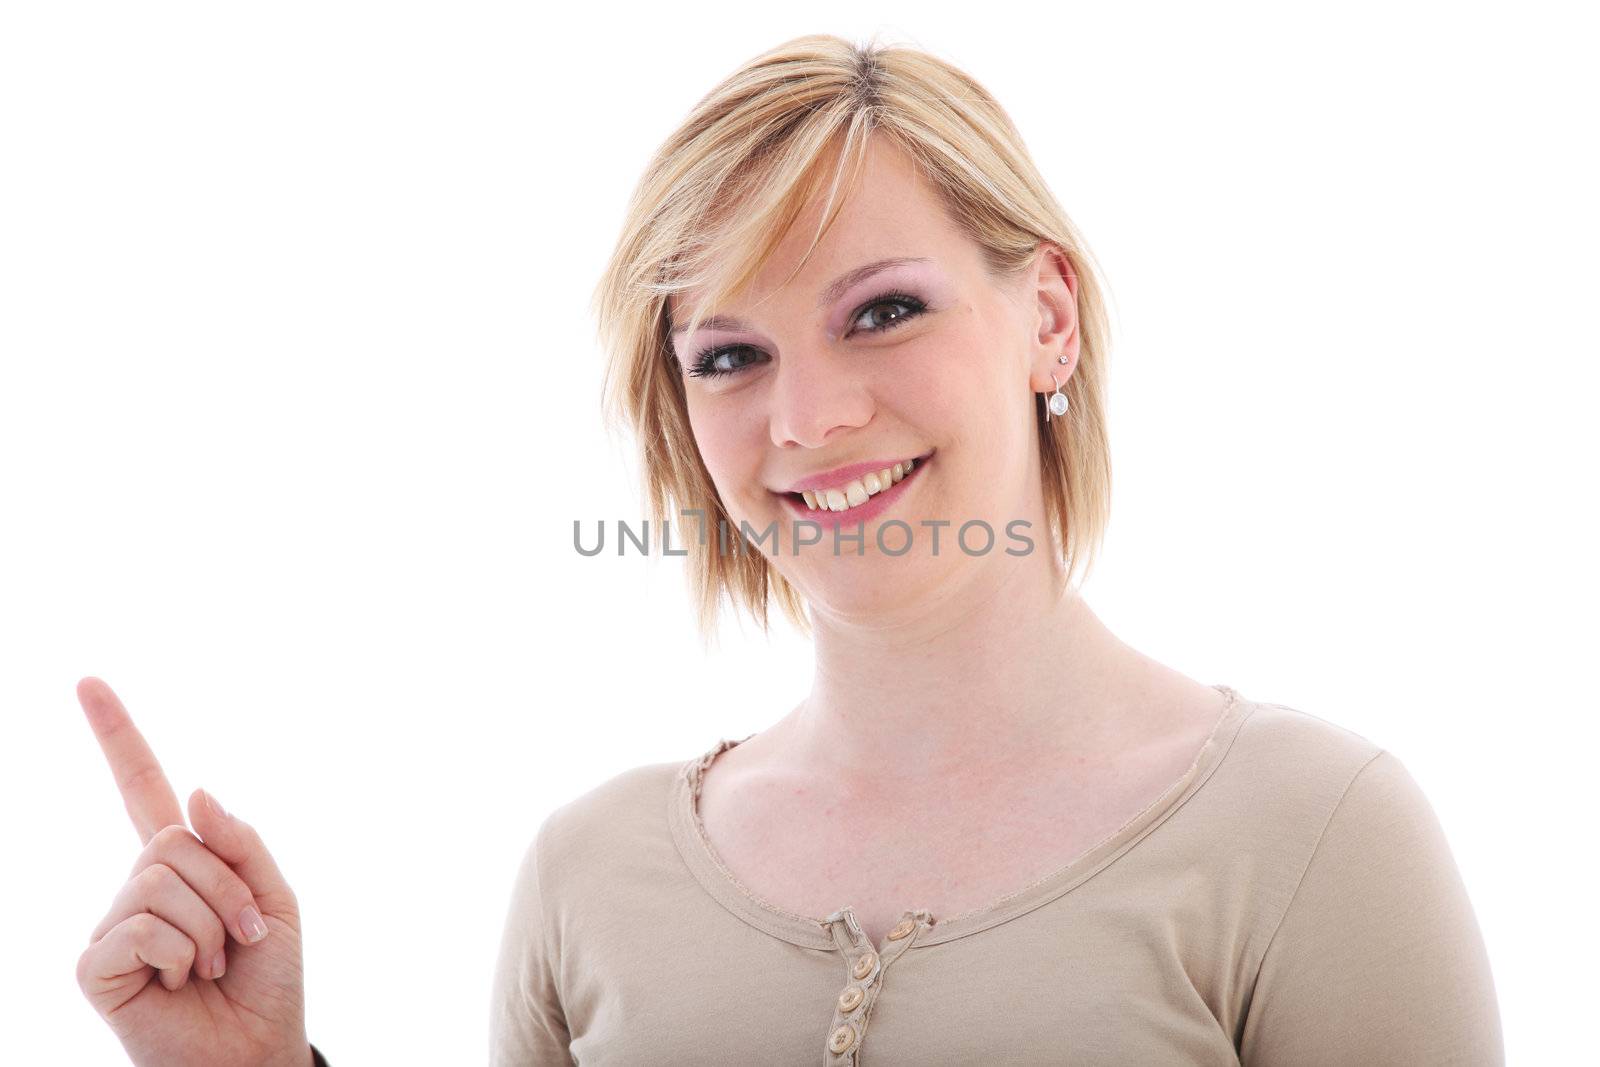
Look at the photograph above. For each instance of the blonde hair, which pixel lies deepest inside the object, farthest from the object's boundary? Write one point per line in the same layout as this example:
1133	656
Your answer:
759	142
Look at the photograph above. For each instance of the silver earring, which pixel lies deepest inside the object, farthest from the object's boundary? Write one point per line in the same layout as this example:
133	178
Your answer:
1058	402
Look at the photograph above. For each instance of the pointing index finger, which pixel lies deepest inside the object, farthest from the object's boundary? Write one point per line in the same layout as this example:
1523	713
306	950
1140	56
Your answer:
148	796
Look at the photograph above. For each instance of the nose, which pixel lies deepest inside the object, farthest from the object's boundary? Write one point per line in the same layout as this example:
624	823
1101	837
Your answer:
814	394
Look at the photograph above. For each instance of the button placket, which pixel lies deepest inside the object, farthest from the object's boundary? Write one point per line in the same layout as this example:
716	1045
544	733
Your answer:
865	966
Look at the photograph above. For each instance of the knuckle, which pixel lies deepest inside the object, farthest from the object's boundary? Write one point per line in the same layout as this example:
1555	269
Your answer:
145	774
142	929
84	971
171	836
154	878
247	834
152	883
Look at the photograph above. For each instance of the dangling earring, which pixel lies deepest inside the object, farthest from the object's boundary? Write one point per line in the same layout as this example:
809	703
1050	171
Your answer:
1058	402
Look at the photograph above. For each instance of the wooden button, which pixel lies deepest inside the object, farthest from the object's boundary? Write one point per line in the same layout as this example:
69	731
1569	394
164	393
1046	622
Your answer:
851	997
843	1039
864	964
901	929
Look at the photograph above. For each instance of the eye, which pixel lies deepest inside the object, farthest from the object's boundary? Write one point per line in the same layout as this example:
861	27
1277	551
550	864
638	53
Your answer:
709	362
913	306
706	364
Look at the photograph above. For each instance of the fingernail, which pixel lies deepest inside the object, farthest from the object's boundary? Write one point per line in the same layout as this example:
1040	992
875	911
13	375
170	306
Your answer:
212	802
217	964
250	922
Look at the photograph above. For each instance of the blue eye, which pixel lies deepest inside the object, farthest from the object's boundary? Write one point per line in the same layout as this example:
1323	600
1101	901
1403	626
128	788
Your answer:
706	361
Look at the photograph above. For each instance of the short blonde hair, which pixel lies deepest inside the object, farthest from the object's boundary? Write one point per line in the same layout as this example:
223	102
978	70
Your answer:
759	142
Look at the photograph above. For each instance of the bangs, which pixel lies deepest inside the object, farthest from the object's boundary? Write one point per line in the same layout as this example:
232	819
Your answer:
739	223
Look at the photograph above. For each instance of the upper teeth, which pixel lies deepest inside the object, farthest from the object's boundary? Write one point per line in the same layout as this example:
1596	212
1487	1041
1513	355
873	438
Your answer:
856	490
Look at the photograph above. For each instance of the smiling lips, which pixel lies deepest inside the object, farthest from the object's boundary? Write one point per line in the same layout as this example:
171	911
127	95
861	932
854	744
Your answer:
857	490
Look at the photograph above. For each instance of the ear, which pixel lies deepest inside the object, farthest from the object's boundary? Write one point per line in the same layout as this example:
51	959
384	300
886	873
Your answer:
1053	286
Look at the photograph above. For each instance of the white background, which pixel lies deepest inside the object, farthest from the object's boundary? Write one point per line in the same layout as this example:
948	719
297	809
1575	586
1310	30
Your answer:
299	401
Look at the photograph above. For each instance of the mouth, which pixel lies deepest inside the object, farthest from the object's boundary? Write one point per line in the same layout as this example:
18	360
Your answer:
871	501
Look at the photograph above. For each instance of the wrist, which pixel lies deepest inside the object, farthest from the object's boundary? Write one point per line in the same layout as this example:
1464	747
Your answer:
302	1056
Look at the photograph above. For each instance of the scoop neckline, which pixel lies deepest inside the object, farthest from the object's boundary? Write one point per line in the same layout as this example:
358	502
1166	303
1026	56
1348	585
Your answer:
688	832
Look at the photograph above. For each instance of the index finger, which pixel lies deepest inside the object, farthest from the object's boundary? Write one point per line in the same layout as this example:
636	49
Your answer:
146	794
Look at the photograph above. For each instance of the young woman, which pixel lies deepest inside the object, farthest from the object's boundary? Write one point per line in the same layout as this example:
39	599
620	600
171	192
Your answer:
863	348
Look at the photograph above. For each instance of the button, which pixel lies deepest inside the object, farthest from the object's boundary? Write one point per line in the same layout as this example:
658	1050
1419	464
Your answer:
843	1039
864	964
901	929
851	997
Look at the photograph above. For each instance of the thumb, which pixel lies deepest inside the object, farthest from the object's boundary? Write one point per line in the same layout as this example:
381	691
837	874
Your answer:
238	845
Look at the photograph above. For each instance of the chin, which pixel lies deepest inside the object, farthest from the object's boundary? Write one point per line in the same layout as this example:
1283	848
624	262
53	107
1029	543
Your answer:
873	586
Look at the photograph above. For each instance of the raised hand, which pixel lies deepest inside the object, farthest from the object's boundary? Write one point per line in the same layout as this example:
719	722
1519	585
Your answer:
198	961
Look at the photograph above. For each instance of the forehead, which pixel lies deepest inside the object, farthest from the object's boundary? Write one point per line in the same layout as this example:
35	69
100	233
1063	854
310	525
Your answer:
889	211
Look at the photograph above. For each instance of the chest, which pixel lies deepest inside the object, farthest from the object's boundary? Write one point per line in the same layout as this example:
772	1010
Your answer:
1084	979
809	848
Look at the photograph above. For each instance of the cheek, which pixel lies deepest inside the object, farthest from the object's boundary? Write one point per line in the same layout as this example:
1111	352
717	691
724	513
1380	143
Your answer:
959	388
723	437
977	409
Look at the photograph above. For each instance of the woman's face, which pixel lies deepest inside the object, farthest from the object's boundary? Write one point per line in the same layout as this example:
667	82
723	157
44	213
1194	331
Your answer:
928	357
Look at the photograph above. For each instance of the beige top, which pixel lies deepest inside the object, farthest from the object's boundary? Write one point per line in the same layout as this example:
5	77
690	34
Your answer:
1290	900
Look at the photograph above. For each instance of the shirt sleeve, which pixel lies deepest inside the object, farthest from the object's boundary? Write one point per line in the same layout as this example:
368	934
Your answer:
317	1058
1378	958
527	1025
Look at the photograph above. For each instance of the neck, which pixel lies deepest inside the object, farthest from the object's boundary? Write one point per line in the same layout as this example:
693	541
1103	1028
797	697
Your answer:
1008	671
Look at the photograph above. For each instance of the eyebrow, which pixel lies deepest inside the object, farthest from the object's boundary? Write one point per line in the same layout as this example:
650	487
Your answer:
830	293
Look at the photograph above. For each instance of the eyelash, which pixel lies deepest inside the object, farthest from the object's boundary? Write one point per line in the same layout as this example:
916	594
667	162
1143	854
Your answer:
703	368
